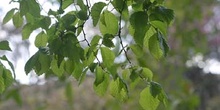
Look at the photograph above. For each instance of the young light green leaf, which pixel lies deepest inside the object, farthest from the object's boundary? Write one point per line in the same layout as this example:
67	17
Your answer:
7	76
118	89
101	81
27	30
154	47
2	84
108	23
41	40
17	20
108	57
78	70
137	50
4	45
160	25
8	16
95	12
95	40
67	3
146	74
147	101
57	70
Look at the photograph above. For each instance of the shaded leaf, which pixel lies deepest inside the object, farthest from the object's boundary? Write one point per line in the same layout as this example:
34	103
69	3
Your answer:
95	12
31	63
137	50
4	45
27	30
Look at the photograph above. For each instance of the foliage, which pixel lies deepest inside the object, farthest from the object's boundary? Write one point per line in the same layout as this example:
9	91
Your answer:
62	54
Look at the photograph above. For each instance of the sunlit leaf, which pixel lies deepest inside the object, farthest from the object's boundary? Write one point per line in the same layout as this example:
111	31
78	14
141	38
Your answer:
154	47
41	40
108	56
118	89
108	23
146	74
147	101
57	70
161	26
17	20
27	30
101	81
8	16
137	50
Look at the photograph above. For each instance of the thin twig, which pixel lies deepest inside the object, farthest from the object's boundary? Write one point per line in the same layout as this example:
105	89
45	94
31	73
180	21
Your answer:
119	34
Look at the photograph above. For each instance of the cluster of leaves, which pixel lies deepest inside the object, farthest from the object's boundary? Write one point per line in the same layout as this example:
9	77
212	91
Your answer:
62	54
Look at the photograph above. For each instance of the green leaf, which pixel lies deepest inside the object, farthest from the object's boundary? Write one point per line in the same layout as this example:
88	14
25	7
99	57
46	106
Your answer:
157	92
27	30
4	45
146	74
7	76
95	12
139	26
17	20
108	23
81	5
45	22
67	3
78	70
101	81
44	62
147	101
82	15
31	62
2	85
107	40
9	62
95	40
150	32
118	89
163	44
162	14
30	6
154	47
137	50
8	15
108	57
57	70
41	40
160	25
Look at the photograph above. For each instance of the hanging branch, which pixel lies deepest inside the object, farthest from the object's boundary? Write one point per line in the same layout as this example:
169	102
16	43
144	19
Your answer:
119	34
